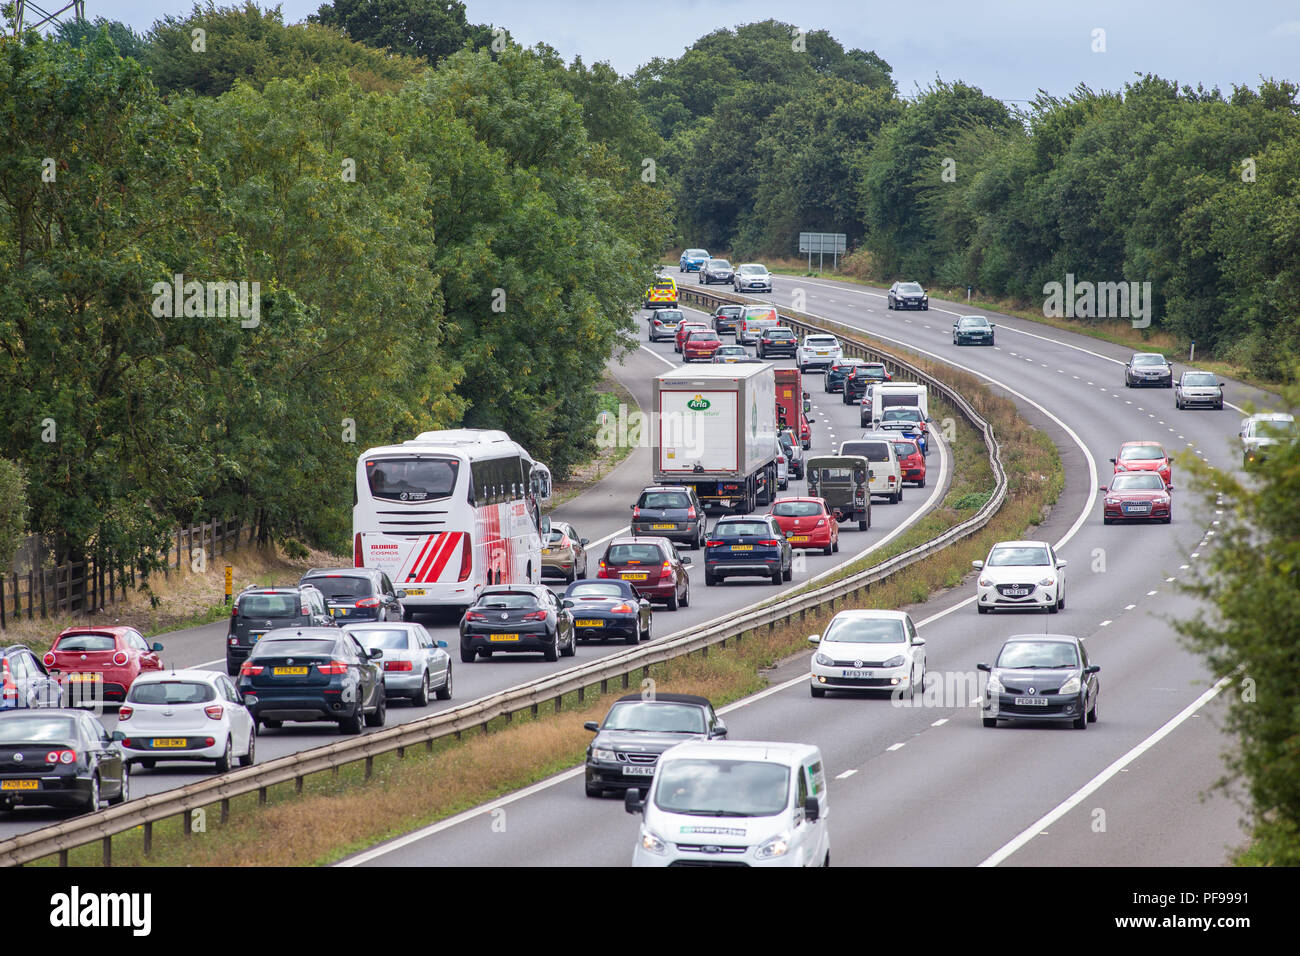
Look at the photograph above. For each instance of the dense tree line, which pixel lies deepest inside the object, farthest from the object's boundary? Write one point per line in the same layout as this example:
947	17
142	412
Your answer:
435	244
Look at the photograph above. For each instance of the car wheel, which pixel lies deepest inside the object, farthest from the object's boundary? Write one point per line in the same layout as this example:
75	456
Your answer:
836	546
223	762
981	608
273	724
686	596
125	795
864	525
777	574
552	653
921	483
248	759
1092	712
634	637
709	580
92	798
1168	519
444	692
571	648
911	685
829	549
817	691
990	721
1105	520
421	698
467	654
1054	607
672	600
380	716
897	496
788	573
408	614
593	791
1081	722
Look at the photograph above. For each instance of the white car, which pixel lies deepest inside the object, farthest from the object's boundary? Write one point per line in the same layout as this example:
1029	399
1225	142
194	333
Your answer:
1019	574
752	277
1260	431
738	803
818	352
782	465
190	715
868	650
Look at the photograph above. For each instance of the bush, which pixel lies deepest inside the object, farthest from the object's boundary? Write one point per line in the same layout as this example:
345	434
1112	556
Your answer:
13	510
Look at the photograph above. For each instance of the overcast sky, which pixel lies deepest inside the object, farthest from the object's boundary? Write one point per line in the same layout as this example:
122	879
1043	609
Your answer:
1008	48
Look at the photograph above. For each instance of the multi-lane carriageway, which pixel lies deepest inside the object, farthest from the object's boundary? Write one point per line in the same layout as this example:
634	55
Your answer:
916	785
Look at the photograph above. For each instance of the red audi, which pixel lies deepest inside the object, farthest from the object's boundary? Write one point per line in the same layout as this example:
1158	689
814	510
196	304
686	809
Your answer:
1144	456
686	328
1137	496
700	345
911	461
101	661
807	524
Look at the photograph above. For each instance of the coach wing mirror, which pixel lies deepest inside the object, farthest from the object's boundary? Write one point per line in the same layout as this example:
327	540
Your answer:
545	524
584	541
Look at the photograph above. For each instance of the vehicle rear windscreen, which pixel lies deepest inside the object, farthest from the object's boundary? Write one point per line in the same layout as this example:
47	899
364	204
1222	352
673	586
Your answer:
796	509
664	500
602	590
33	729
834	476
901	413
270	605
904	448
905	400
634	554
86	642
171	692
389	638
870	450
732	529
341	586
508	599
412	479
293	647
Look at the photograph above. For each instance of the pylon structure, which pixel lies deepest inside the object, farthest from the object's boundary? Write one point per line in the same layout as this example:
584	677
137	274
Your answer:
32	17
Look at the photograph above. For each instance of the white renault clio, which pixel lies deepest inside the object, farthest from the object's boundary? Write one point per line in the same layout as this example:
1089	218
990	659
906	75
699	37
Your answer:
186	715
1020	574
734	803
868	649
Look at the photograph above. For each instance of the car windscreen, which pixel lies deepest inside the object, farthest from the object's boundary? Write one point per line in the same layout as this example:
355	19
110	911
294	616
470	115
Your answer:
389	638
171	692
610	590
870	450
655	716
270	605
722	788
1149	481
976	322
412	479
33	729
796	509
734	529
1009	557
852	630
910	288
341	585
1200	379
507	599
904	448
294	647
832	476
664	499
1148	360
696	253
1141	453
86	642
1038	654
752	270
634	554
719	264
901	413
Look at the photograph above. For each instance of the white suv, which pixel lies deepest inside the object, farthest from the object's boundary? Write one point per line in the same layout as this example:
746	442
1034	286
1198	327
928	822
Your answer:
818	352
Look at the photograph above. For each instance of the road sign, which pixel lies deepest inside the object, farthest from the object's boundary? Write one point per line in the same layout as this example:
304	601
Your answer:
822	243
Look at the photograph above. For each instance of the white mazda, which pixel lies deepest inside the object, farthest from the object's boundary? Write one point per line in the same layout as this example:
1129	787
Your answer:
1024	574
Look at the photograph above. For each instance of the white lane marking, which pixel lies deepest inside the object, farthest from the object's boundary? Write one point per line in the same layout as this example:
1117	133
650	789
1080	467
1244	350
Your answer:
1129	607
207	664
940	722
845	775
1149	593
658	356
1170	580
894	747
1096	782
1105	624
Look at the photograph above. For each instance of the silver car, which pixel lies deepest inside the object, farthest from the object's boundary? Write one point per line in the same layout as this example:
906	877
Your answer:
752	277
1198	388
414	663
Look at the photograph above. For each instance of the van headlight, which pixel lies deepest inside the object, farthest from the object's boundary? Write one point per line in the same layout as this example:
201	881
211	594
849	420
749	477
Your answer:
651	842
1071	686
779	845
823	660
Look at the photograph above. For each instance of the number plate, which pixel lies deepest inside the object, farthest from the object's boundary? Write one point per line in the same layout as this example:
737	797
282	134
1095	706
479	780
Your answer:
1031	701
823	353
742	547
588	623
503	638
415	592
546	550
162	743
80	678
799	538
663	527
339	611
1136	509
20	785
289	671
633	577
639	771
852	673
1016	592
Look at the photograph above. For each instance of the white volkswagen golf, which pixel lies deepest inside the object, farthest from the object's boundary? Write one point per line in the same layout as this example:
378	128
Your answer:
1020	574
186	715
866	649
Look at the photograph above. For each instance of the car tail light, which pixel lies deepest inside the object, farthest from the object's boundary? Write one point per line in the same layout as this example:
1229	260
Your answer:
125	711
636	512
475	616
534	616
397	665
369	602
356	551
667	571
714	544
333	667
10	688
769	542
466	558
250	670
61	756
120	658
49	659
214	711
624	608
780	459
690	512
565	542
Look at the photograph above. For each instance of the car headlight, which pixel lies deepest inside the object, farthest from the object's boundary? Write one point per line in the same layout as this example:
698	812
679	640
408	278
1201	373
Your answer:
1046	582
599	754
651	842
1112	501
898	660
779	845
823	660
1071	686
986	582
994	685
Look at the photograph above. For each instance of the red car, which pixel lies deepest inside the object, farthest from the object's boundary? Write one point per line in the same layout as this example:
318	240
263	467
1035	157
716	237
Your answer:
700	344
911	461
686	328
1144	456
1137	496
652	566
807	524
110	658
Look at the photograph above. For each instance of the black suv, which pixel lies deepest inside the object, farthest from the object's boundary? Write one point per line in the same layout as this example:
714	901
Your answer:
860	378
260	609
357	594
672	512
637	729
778	340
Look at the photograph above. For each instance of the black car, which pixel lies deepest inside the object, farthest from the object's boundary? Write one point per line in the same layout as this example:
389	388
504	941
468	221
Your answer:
726	318
777	340
672	512
59	758
908	295
357	594
972	330
1041	677
716	270
258	610
637	729
25	682
606	609
314	673
517	617
838	371
861	377
748	546
1148	369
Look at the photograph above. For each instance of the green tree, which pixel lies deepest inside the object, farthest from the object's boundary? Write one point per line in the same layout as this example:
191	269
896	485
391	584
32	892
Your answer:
410	27
13	511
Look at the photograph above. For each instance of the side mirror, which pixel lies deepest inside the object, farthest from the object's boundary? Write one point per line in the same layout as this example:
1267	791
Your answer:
633	506
984	667
719	728
401	595
1169	487
812	809
1062	563
814	638
686	561
1092	669
566	602
1111	460
993	325
632	801
644	602
1103	488
376	653
812	421
118	735
918	641
584	541
442	644
155	646
591	725
977	565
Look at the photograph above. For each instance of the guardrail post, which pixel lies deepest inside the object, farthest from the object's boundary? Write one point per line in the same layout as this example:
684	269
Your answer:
604	685
533	710
510	716
370	766
297	784
704	651
401	753
63	858
582	694
625	680
187	822
225	811
558	698
148	837
107	843
261	793
428	744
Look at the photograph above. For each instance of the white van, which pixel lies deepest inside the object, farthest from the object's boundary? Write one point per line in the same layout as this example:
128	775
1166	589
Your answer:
886	470
888	394
734	803
753	321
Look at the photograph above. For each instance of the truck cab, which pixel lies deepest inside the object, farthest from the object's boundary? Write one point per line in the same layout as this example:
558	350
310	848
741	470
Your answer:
793	404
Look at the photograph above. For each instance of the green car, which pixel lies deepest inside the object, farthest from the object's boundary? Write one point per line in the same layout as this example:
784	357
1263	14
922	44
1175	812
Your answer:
843	482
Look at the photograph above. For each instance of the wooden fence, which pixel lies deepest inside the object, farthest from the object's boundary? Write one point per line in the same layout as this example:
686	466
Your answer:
85	586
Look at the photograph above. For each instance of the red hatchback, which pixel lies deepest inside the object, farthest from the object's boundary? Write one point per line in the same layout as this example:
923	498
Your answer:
700	345
1144	456
911	461
652	566
686	328
102	661
807	524
1137	496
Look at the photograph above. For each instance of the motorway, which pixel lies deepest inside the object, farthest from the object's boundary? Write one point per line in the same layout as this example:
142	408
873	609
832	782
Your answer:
599	514
928	784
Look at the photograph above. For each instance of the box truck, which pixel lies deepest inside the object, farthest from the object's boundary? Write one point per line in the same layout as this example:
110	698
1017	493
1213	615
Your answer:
791	404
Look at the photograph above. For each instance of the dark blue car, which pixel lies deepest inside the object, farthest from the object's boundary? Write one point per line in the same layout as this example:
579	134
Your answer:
838	371
747	546
692	260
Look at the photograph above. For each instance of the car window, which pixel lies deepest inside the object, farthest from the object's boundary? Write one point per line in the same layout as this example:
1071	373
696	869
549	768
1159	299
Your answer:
389	638
171	692
1200	379
735	528
1141	453
796	509
1148	360
876	451
291	647
865	630
387	585
86	642
801	793
269	605
510	599
664	717
337	586
17	666
1018	556
634	554
1029	654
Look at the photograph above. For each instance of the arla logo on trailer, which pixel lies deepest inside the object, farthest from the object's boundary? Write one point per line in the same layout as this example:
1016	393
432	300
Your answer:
699	404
